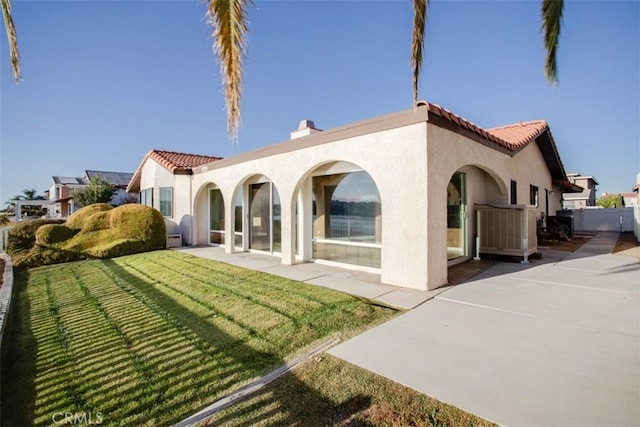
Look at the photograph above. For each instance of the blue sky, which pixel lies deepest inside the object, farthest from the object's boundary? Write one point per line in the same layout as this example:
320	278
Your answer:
106	81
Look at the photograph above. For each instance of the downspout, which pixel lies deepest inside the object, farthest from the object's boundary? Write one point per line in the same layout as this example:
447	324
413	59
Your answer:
191	218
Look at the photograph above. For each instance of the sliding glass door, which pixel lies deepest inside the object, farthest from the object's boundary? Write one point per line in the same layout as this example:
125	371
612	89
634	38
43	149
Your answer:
216	218
456	216
264	217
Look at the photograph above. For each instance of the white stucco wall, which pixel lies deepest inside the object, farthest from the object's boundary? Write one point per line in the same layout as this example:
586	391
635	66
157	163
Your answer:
528	168
411	165
156	176
396	161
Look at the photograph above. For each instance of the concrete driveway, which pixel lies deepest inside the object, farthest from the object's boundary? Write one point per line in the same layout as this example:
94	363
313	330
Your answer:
553	344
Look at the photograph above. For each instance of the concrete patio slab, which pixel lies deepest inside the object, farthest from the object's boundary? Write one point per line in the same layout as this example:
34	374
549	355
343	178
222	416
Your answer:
553	344
358	283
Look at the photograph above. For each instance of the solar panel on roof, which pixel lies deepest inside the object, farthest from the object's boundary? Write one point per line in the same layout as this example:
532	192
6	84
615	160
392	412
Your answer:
69	180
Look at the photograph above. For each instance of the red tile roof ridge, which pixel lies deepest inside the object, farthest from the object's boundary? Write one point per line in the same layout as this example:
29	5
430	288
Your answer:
443	112
527	123
176	160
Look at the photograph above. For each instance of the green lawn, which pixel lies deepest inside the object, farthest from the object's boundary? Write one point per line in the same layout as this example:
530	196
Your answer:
149	339
327	391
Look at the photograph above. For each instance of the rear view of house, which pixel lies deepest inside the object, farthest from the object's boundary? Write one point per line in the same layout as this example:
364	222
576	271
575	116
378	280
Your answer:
395	195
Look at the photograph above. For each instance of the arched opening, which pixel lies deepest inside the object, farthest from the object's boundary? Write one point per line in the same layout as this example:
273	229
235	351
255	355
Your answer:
209	216
468	187
344	216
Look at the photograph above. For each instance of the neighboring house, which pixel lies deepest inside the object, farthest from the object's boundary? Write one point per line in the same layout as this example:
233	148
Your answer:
636	190
629	199
396	195
61	193
62	190
119	180
587	197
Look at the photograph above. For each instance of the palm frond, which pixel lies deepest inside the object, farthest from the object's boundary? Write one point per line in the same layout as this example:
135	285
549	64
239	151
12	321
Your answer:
551	23
417	42
229	21
12	38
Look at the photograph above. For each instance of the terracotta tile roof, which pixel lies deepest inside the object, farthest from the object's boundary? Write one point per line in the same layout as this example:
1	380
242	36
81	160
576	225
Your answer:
180	162
446	114
174	161
513	138
519	134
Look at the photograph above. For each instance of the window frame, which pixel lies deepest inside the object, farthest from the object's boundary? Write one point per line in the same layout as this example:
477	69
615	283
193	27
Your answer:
514	192
145	194
534	195
170	201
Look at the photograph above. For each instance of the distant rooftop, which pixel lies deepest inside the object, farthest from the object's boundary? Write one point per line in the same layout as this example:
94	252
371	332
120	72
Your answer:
66	180
119	179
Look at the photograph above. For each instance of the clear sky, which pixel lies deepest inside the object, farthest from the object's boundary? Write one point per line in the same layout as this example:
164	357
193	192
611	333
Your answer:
106	81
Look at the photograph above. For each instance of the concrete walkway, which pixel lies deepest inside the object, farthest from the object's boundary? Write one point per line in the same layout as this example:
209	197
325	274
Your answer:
361	284
552	344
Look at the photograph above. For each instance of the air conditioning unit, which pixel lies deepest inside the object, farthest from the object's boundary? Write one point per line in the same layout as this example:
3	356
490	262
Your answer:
507	230
174	240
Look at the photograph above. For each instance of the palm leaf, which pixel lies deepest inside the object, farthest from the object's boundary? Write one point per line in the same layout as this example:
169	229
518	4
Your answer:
551	23
12	38
229	21
417	41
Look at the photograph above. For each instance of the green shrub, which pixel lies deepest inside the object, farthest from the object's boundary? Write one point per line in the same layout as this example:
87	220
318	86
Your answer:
117	248
140	222
97	221
50	234
97	231
39	255
77	220
22	237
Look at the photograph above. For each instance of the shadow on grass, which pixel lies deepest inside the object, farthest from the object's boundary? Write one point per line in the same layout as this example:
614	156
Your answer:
19	351
167	394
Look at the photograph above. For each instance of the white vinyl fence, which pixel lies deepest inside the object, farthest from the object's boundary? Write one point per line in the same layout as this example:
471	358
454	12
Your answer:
612	219
636	222
4	236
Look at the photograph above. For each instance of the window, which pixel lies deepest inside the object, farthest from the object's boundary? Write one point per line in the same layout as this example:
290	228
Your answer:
166	201
216	217
533	195
146	197
514	192
347	219
238	221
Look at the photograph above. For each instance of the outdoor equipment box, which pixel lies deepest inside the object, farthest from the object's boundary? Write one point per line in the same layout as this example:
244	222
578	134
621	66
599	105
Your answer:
507	230
174	240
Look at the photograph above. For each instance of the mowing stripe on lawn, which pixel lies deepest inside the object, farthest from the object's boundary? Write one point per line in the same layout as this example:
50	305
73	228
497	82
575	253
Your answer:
205	308
205	280
255	281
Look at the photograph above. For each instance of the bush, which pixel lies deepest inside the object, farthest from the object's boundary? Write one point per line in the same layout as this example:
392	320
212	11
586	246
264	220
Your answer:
140	222
39	255
97	221
97	231
77	220
117	248
131	223
22	237
50	234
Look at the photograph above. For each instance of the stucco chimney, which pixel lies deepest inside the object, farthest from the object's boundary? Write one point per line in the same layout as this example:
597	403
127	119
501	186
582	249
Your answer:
305	127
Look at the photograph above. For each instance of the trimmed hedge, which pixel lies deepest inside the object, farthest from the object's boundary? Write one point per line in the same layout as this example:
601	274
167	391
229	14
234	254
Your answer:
96	231
22	237
79	218
50	234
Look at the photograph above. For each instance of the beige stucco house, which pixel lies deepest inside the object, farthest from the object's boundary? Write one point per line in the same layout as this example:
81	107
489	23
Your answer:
396	195
586	197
